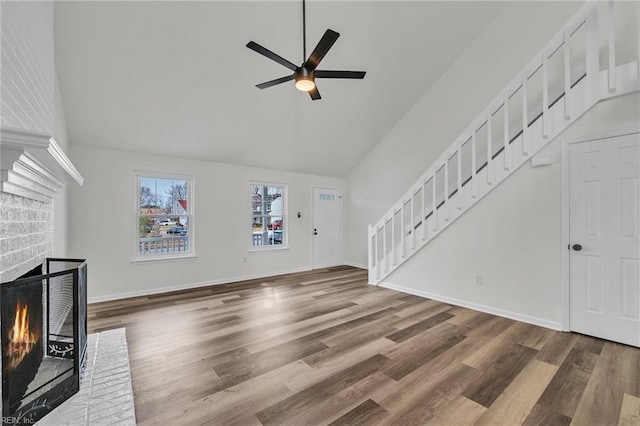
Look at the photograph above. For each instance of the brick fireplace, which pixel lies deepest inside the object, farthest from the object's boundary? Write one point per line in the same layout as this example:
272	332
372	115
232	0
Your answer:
33	169
26	234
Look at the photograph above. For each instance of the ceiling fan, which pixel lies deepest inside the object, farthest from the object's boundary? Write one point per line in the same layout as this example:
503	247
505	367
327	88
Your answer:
306	74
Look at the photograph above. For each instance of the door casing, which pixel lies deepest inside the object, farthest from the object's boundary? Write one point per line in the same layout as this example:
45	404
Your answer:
565	219
313	213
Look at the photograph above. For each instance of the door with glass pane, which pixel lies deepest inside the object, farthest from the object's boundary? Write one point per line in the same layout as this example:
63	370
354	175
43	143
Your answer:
327	227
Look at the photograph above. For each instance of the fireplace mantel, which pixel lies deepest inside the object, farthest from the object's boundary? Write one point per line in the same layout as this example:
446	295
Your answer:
33	165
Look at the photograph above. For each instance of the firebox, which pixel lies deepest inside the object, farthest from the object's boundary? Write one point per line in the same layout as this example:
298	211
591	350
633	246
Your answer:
43	338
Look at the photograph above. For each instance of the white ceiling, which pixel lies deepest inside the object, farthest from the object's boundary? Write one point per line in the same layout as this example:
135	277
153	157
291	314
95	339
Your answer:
175	78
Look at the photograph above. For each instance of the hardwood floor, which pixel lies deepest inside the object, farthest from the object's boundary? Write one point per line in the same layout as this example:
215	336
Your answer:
322	347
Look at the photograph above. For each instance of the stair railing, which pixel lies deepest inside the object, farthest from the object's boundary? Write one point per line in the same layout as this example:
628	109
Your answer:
451	185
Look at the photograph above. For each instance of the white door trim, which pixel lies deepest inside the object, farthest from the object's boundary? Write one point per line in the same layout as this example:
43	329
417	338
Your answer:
312	222
565	296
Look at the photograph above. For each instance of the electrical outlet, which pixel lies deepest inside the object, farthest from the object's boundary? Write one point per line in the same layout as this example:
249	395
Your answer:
479	280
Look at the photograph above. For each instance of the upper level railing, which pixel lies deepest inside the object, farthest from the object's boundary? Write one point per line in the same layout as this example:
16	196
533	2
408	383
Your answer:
560	83
160	245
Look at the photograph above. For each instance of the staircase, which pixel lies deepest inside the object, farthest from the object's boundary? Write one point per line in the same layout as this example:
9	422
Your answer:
562	82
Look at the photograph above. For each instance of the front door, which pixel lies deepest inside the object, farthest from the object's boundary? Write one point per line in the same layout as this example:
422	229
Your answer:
327	227
605	215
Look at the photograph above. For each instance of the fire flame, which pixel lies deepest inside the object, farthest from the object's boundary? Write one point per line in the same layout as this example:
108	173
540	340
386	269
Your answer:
21	338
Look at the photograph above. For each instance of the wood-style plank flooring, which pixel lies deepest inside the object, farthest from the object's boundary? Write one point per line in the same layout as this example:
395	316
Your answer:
322	347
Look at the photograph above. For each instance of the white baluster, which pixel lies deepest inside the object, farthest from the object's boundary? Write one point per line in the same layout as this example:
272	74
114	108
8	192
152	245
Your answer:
413	221
424	219
546	120
525	114
371	247
612	48
446	189
474	168
384	246
593	53
507	157
489	156
459	175
433	214
403	249
567	76
393	238
377	255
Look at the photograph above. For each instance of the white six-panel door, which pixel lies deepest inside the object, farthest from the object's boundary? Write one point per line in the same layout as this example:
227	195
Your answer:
604	234
327	227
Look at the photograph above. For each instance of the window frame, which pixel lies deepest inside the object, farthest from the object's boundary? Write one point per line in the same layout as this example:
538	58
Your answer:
284	215
190	214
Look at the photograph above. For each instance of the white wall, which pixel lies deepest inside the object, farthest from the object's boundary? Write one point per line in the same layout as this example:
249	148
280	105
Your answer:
510	238
102	223
445	110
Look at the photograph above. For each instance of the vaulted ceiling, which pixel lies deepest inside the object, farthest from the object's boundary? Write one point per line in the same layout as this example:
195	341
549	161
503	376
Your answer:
175	78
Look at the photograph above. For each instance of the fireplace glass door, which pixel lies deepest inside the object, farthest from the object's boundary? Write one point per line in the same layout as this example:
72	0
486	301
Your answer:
43	335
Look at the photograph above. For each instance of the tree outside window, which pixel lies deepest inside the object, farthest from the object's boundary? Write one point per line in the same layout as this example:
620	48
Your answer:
268	215
164	215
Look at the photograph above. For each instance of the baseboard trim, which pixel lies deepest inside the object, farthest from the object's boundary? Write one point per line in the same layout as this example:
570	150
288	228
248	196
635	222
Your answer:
150	292
476	307
356	265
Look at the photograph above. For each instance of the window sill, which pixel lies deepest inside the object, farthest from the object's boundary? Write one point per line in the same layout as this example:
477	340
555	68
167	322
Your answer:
267	248
160	258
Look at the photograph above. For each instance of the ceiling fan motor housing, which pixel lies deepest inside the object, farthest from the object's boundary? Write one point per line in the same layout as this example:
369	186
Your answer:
301	73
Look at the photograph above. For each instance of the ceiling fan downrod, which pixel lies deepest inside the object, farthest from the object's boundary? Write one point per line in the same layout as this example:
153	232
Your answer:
304	31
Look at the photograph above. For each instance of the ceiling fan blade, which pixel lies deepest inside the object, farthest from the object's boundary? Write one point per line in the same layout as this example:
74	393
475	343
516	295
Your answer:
274	82
315	95
339	74
269	54
321	49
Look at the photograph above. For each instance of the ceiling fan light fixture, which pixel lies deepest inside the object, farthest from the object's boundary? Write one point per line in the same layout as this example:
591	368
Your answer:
305	80
305	84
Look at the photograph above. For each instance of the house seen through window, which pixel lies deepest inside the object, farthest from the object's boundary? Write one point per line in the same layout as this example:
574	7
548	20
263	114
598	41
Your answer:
164	216
268	222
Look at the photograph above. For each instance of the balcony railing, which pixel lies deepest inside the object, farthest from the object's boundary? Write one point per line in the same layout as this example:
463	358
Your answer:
163	245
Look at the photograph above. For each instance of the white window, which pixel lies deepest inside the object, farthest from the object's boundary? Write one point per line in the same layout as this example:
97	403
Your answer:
165	215
268	215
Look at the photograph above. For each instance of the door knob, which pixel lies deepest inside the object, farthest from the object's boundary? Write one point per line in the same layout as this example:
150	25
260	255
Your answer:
576	247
